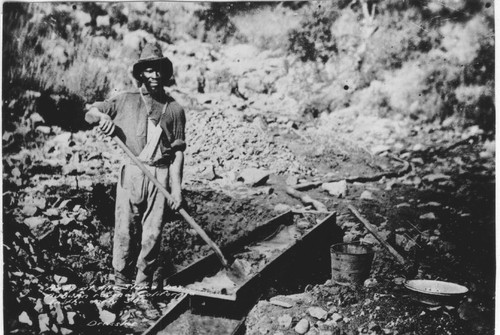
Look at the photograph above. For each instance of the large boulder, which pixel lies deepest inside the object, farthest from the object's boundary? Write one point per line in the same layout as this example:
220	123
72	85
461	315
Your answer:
253	176
134	39
241	51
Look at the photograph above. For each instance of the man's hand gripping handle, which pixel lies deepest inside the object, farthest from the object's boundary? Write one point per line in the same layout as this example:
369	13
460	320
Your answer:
106	125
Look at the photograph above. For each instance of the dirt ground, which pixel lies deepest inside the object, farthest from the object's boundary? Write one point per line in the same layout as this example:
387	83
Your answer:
454	243
439	215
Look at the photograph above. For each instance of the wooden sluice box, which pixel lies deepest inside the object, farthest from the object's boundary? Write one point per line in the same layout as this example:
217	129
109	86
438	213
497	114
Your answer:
210	302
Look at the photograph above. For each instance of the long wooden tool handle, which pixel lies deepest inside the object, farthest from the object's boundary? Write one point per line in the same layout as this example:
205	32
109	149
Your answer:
167	195
306	199
372	230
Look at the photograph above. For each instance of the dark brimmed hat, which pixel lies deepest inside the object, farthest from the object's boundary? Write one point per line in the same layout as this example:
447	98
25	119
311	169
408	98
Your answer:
151	55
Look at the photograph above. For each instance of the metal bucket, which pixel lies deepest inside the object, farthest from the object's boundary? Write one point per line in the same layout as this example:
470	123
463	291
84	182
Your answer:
351	262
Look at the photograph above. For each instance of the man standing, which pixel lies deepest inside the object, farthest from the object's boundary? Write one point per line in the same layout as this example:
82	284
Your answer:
152	125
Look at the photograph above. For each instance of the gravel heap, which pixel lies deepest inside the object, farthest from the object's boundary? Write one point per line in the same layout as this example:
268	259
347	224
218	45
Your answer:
223	140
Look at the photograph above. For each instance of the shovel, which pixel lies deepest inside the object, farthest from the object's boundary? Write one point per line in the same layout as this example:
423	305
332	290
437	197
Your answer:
234	271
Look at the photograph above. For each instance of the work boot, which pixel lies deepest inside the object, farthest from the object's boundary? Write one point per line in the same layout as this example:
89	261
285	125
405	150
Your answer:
116	300
142	301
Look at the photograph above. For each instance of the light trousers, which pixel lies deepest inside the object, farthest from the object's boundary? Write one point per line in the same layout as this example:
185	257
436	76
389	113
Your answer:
141	211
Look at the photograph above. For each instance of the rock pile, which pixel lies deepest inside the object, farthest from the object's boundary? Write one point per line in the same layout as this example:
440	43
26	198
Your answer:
221	139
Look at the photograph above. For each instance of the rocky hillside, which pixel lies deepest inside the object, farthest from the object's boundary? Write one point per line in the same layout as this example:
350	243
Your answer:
276	95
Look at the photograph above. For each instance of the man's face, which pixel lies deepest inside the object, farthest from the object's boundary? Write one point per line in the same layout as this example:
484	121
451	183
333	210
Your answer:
152	78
